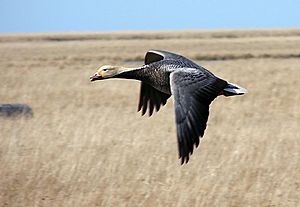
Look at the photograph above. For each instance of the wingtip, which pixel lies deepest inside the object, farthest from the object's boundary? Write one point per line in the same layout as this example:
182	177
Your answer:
184	159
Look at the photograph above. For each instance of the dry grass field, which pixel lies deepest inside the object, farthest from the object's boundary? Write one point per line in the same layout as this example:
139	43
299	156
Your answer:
87	146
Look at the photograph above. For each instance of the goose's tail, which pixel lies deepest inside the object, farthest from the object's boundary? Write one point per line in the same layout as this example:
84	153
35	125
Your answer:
233	90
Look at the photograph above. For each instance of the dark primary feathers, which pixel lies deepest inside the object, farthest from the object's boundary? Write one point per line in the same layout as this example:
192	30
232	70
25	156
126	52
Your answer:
151	98
194	88
193	92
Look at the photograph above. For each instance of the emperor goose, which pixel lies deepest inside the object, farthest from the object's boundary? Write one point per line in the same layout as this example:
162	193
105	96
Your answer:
193	87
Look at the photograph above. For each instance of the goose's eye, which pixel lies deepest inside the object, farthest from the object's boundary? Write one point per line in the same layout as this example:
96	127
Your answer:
105	70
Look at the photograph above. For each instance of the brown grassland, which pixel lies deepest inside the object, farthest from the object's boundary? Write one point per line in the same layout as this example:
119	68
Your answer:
87	146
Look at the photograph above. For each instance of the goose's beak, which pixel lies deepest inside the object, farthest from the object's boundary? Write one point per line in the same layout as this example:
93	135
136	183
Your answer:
96	76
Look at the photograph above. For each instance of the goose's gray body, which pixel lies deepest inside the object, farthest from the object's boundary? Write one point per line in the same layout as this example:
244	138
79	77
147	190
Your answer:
193	87
158	67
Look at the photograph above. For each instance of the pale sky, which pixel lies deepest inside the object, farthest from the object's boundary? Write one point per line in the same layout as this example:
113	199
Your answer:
110	15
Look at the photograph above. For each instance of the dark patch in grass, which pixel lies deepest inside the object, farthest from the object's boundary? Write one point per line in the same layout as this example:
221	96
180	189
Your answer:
15	110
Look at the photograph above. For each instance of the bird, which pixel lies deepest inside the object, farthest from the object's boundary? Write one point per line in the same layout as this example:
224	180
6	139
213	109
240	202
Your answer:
192	86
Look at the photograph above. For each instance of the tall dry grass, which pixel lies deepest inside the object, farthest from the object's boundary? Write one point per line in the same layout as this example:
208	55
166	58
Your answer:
87	146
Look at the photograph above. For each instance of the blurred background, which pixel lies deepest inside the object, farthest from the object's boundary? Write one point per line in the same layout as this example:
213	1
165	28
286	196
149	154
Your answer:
78	143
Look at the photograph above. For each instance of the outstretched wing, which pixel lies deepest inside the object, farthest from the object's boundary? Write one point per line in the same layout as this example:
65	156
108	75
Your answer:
157	55
151	98
193	92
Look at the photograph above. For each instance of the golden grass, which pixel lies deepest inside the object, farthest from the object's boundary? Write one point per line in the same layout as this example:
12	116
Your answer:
87	146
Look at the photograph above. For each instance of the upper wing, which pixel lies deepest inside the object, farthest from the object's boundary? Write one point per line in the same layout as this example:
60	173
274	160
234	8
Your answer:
157	55
151	98
193	92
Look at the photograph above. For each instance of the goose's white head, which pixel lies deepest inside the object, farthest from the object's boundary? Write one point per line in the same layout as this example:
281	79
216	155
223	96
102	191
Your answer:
106	71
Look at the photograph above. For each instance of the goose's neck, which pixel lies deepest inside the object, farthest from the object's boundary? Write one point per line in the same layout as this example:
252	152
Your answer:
130	73
128	69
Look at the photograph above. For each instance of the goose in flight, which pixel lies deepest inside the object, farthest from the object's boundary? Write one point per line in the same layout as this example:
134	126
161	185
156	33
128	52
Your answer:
193	87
